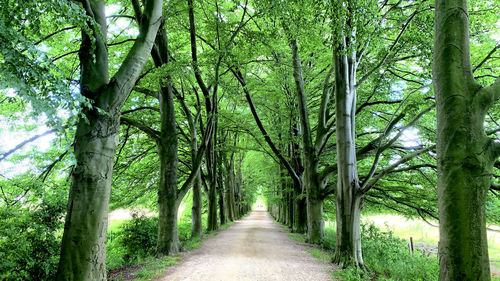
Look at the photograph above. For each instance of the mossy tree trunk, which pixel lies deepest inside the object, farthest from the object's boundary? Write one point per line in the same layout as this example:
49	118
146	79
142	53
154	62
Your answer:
83	247
168	196
196	210
230	183
465	154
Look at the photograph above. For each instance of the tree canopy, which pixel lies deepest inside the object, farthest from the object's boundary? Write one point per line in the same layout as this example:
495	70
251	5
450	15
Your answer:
148	104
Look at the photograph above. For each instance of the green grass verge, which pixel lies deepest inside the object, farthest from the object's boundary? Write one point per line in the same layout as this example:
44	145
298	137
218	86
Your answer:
155	268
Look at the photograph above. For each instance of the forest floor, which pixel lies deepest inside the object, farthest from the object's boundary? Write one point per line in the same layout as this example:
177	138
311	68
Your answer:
254	248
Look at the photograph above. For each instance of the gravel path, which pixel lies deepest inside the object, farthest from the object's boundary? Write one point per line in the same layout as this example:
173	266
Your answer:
253	249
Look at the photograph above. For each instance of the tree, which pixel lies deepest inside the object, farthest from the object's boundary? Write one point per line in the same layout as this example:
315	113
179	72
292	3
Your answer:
466	155
83	249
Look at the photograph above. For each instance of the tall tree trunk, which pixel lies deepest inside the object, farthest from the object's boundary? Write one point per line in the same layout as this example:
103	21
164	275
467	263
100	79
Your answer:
313	186
196	211
212	188
167	142
290	212
230	182
300	210
212	208
222	201
465	154
83	255
168	240
348	195
299	201
83	247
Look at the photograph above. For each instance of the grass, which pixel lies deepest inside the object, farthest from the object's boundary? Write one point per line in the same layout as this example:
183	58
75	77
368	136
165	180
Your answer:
320	254
155	268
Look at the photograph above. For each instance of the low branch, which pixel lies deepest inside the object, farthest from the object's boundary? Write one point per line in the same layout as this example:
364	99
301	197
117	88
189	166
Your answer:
361	107
54	33
20	145
496	148
140	108
43	176
488	56
152	133
385	171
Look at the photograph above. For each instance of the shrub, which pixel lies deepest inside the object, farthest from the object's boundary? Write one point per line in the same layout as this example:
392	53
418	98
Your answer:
388	258
138	237
30	239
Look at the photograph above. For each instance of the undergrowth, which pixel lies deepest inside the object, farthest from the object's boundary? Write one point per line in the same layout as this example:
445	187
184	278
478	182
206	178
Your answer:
387	257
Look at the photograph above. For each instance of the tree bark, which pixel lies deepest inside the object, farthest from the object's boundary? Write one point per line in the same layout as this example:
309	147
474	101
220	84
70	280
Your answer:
300	211
196	211
83	249
465	154
168	238
168	200
212	209
230	182
222	200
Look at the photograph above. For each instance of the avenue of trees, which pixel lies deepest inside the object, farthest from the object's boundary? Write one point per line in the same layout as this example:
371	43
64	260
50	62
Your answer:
322	108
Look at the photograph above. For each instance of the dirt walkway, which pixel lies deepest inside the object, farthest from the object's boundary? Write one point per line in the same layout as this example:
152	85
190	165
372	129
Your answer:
255	249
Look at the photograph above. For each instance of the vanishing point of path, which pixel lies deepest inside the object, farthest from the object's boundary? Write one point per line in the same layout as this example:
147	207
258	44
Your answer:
253	249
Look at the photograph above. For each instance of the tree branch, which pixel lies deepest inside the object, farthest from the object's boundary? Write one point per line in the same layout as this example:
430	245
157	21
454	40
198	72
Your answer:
488	96
383	60
140	108
131	67
197	163
486	58
194	55
20	145
152	133
392	167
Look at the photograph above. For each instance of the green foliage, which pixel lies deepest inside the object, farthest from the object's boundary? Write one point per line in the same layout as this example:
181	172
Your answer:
135	240
30	239
388	258
25	66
